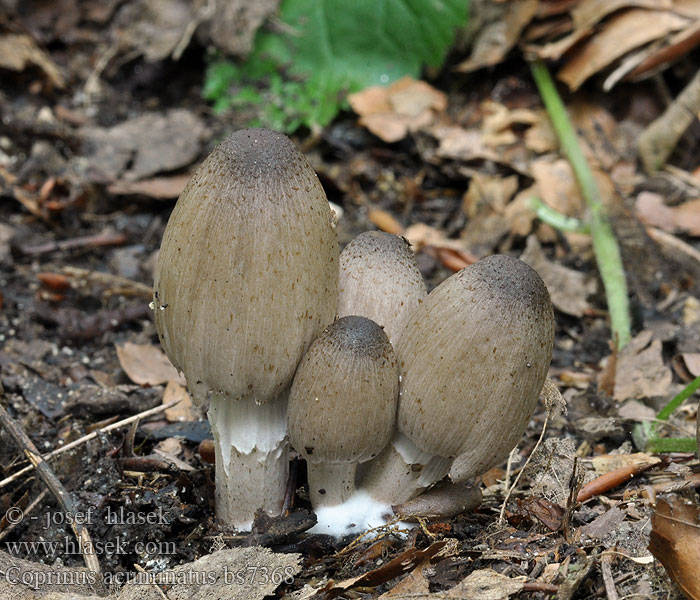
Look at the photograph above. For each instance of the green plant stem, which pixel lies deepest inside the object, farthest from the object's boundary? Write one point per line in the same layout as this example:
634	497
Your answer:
657	444
679	399
605	247
547	214
672	445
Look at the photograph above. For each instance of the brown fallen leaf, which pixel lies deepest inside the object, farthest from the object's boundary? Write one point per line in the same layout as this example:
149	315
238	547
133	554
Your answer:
684	218
585	16
147	365
17	50
485	584
692	362
540	137
606	463
640	371
620	33
393	111
604	524
556	186
614	478
184	410
458	143
506	21
499	120
384	221
158	187
569	289
173	140
675	542
425	237
403	563
414	585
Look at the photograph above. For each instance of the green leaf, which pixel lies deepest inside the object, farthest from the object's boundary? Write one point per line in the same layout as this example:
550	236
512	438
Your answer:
330	48
370	42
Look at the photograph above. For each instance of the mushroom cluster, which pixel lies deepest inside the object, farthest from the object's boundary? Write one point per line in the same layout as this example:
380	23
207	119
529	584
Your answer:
402	388
246	279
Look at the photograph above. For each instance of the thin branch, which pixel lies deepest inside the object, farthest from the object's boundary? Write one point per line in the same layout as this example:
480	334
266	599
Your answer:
91	436
52	482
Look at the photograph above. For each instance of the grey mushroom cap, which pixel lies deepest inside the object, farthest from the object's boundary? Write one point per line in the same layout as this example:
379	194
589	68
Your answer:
248	269
380	280
474	357
342	404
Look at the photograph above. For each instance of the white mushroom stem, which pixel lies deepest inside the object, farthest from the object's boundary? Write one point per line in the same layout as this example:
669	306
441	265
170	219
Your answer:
402	471
252	457
330	483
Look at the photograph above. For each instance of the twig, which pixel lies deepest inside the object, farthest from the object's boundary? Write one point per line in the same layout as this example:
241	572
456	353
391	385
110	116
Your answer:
657	141
62	496
118	285
92	241
608	580
5	532
91	436
605	246
152	581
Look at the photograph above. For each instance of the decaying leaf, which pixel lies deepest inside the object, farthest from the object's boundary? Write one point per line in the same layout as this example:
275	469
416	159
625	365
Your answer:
414	585
18	50
499	121
691	360
556	186
143	146
606	463
569	289
147	365
486	584
254	573
392	112
458	143
184	410
604	524
620	33
640	371
500	34
403	563
158	187
675	542
684	218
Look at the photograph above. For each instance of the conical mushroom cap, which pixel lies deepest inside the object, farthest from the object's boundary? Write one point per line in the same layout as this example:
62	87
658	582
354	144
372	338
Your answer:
248	269
342	404
379	279
473	358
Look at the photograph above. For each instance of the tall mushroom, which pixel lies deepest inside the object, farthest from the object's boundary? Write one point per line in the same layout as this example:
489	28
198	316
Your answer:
245	281
342	405
379	279
473	358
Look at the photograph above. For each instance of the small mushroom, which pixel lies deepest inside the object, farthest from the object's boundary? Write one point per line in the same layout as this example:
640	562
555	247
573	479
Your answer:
379	279
473	358
245	281
342	405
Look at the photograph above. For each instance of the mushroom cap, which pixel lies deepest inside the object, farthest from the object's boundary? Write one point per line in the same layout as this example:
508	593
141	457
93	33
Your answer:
248	268
473	358
379	279
342	404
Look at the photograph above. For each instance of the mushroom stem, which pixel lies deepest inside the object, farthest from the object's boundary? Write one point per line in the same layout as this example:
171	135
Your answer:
252	457
330	483
402	471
